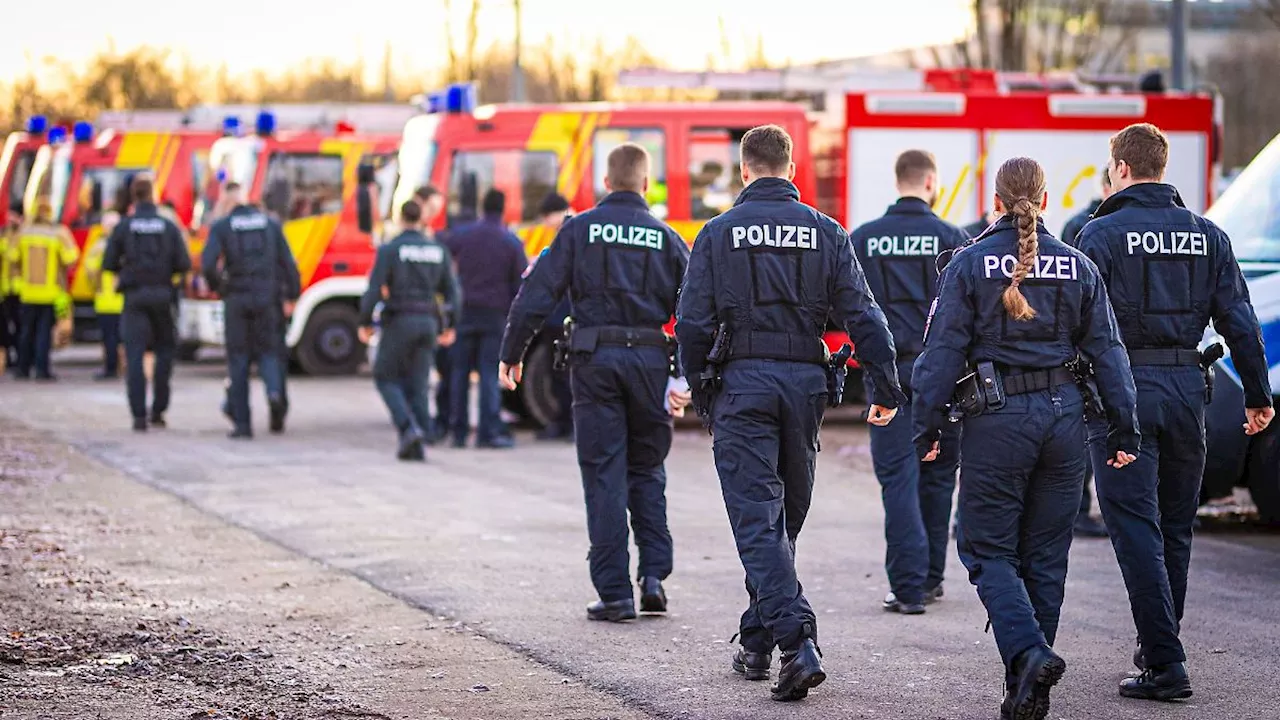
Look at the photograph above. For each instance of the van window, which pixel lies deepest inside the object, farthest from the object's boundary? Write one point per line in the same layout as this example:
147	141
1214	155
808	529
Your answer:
715	170
301	185
21	173
102	189
386	174
525	177
652	139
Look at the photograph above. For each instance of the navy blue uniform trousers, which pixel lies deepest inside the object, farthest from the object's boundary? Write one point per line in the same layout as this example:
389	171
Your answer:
402	368
252	327
146	325
1020	473
35	339
765	424
623	435
1150	505
109	324
477	348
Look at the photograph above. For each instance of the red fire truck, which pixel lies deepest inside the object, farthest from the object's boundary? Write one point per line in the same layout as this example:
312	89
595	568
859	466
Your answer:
15	163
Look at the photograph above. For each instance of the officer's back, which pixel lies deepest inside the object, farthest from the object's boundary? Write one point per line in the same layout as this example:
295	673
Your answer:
256	259
412	267
145	251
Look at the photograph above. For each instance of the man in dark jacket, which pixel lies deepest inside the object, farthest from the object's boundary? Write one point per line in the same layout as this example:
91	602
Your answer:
490	262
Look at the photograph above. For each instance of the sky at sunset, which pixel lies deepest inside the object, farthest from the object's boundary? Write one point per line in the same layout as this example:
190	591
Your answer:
273	34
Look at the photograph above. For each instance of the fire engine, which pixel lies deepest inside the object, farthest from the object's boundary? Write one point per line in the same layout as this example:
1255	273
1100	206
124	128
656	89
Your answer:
307	179
15	163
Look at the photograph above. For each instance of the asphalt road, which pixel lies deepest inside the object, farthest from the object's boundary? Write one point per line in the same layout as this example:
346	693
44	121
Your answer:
496	540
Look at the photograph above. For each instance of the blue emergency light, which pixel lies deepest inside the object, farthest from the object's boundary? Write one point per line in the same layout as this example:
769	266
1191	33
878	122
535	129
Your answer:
460	98
435	102
82	132
266	123
37	124
57	135
231	126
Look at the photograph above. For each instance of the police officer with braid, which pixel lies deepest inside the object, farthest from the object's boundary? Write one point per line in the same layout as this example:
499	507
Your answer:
248	261
1013	309
145	251
763	278
899	253
621	268
1170	272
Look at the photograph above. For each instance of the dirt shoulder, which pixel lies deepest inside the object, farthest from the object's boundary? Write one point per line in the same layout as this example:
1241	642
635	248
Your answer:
119	601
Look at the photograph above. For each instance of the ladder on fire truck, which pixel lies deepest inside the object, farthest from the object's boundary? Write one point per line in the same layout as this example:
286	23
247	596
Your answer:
365	118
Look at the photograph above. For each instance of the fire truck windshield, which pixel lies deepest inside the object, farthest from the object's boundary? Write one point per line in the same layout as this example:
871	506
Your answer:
236	158
1249	211
417	156
17	164
50	177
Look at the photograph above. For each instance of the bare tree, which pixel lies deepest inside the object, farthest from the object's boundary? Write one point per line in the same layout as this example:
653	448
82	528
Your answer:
1019	35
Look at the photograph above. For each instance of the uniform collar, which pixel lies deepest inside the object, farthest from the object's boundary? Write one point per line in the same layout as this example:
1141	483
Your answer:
910	206
1147	194
1008	222
146	207
625	197
768	188
409	235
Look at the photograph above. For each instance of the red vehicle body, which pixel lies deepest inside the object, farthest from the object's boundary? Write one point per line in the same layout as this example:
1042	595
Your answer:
16	161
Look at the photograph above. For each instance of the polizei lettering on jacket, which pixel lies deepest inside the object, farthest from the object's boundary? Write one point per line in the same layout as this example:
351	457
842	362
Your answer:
1166	243
633	235
241	223
802	237
906	246
1046	267
146	226
433	254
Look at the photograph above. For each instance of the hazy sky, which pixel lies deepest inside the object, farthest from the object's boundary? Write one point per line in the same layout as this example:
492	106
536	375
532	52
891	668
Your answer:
272	34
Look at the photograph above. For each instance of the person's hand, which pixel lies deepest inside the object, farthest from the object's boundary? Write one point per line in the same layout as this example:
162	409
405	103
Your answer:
447	337
509	375
679	400
1258	419
1121	459
386	292
366	334
880	416
289	305
932	454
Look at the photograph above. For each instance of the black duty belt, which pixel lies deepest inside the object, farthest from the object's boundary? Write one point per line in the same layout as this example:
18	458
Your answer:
778	346
1164	356
1026	382
587	339
410	307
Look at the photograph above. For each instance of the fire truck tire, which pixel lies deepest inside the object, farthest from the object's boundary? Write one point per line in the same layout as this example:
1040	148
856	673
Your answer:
537	391
1263	474
188	351
330	344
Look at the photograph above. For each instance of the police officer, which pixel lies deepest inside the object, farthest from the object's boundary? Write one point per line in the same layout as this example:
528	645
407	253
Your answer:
1170	272
248	262
409	273
432	202
762	280
1086	524
145	251
899	253
1018	305
621	268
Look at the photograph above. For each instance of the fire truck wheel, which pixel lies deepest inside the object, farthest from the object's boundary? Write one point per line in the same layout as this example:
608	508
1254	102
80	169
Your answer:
537	392
1263	474
188	351
330	344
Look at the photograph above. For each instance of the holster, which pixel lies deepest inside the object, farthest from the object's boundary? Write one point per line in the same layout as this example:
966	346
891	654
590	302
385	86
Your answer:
978	392
837	371
1088	384
560	347
709	380
1211	355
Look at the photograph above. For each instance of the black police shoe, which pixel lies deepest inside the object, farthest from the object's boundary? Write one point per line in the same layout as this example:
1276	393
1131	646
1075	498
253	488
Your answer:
139	424
1036	670
614	611
157	420
241	434
1163	682
653	599
752	665
801	670
501	442
933	594
277	415
410	444
1088	526
892	604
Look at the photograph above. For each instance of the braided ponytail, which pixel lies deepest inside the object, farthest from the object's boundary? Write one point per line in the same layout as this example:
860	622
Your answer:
1020	183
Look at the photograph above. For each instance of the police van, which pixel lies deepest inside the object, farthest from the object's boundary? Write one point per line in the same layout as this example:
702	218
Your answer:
1249	212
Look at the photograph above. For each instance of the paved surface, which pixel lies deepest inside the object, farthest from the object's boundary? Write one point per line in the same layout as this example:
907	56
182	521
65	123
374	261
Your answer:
497	540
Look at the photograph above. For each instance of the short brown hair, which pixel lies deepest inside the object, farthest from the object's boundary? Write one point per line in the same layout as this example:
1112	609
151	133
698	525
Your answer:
628	167
426	192
411	212
766	150
142	190
913	165
1143	148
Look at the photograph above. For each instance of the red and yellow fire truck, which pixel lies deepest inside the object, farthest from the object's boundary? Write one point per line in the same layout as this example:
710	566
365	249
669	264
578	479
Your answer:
15	163
307	179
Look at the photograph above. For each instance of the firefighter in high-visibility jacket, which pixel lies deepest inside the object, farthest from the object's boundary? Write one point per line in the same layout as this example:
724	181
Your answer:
9	290
108	301
45	252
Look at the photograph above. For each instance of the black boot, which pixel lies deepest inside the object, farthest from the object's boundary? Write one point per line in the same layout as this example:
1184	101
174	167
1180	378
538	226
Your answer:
139	424
752	665
278	410
241	433
653	599
614	611
893	604
1035	671
801	670
157	420
410	444
1161	682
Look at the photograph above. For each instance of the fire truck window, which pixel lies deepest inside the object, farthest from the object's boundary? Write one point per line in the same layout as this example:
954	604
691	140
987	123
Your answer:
715	170
652	139
21	173
526	178
101	189
303	185
386	173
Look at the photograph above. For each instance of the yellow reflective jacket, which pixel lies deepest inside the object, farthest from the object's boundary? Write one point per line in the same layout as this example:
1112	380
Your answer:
107	298
6	283
45	252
